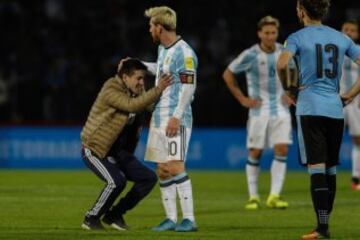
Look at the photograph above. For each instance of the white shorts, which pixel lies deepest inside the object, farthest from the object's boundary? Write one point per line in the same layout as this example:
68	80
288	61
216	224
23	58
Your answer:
352	117
162	149
265	132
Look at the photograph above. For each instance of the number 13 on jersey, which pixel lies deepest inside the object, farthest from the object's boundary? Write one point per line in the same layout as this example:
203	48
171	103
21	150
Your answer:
333	50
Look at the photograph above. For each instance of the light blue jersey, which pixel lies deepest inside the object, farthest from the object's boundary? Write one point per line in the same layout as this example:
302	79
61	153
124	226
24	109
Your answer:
319	51
181	62
262	80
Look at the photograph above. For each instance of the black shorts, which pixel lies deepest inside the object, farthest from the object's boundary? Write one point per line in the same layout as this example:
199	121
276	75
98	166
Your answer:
319	139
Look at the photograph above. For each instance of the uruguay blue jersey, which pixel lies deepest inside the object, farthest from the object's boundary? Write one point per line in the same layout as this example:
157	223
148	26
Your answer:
319	52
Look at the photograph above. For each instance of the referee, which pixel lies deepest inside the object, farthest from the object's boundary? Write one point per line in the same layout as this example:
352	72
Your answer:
109	138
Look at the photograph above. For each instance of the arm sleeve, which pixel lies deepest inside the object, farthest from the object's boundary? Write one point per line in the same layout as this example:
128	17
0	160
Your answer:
292	44
123	102
243	62
353	50
152	66
187	66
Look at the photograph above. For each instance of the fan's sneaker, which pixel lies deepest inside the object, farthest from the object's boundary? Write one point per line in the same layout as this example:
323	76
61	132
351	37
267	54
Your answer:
116	223
92	224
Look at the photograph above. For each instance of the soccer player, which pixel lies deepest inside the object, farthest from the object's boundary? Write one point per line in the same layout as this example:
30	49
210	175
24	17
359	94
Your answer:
319	51
109	138
171	122
269	123
351	73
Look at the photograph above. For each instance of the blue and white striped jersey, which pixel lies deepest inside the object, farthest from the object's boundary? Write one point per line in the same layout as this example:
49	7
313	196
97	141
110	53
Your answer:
351	72
181	62
262	80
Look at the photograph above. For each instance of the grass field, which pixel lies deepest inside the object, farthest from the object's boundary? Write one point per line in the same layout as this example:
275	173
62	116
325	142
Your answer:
41	205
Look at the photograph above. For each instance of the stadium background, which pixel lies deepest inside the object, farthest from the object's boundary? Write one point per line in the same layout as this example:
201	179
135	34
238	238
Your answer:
56	54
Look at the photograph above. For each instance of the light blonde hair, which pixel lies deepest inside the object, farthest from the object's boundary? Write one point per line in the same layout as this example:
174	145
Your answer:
268	20
162	15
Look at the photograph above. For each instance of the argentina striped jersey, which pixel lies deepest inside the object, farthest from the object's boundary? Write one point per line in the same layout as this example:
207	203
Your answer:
181	62
262	80
351	72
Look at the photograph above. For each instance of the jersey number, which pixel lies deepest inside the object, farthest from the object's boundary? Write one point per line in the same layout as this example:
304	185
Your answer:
172	148
329	48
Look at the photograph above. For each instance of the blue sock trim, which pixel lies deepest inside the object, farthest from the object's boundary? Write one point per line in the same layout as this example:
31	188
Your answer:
167	182
280	158
331	171
356	147
316	170
253	161
179	176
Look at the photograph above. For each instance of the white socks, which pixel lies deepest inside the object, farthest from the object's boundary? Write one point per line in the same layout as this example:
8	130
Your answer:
252	175
182	185
278	172
355	155
168	195
186	199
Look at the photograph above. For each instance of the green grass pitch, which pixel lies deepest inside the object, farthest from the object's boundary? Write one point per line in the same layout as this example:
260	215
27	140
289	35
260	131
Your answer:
39	205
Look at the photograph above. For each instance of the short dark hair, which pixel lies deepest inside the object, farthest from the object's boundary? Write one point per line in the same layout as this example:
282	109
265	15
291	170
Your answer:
315	9
131	65
352	21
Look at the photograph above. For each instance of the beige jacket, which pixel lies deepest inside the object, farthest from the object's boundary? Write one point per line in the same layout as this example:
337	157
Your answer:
109	114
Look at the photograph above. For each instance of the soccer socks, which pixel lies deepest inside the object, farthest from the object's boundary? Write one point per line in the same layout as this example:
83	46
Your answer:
168	195
355	155
278	172
331	180
320	196
182	185
252	175
184	189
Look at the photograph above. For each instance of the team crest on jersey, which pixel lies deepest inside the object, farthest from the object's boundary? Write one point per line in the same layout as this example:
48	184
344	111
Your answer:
187	78
285	44
167	60
189	63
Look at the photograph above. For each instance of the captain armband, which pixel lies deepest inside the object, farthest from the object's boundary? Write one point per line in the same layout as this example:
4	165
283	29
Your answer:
187	77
